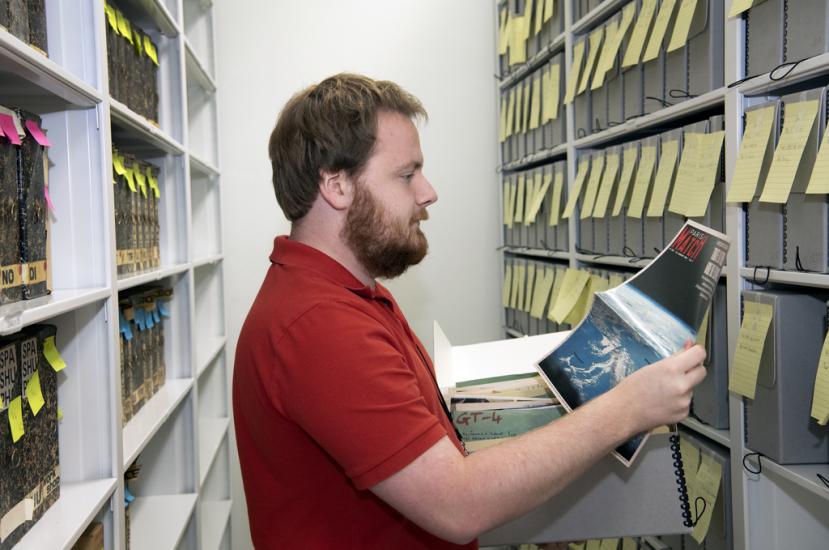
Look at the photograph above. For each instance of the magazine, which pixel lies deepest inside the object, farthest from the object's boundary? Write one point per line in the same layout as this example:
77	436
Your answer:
644	320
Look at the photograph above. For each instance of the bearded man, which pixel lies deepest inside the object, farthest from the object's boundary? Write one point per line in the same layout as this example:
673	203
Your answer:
343	437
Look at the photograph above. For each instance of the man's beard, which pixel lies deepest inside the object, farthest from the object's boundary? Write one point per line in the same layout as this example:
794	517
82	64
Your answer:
384	247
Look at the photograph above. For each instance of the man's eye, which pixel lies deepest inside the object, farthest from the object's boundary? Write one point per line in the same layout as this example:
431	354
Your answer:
408	177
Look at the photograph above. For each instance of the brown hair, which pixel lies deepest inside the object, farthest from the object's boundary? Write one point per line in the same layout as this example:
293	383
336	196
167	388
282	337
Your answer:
329	126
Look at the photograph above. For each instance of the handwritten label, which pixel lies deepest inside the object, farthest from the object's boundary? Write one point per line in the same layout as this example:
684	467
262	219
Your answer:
750	342
51	353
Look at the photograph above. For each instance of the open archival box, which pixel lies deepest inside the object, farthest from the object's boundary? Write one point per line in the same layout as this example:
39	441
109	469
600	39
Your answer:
496	392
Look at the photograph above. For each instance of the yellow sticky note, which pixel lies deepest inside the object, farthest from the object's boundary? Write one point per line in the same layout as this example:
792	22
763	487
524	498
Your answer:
558	283
605	55
630	158
594	544
124	27
575	71
551	104
130	177
112	19
707	487
60	414
644	175
555	201
533	187
596	172
16	419
507	219
528	294
660	27
819	181
609	544
503	36
798	127
682	25
51	353
690	465
576	546
519	200
538	18
34	393
633	53
611	170
664	178
549	10
739	6
629	544
535	102
750	341
513	195
518	27
582	305
615	280
510	113
572	286
702	333
543	184
755	154
697	173
505	291
138	43
118	164
141	181
575	192
543	286
153	181
613	42
596	38
518	274
820	396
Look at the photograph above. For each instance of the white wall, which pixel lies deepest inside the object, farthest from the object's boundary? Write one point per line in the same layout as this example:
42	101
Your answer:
442	52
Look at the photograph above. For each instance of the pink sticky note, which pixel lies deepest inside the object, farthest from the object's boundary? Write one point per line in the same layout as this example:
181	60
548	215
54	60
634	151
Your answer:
37	133
7	124
49	202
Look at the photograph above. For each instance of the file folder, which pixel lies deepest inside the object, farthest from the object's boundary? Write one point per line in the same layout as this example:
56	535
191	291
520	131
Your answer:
807	217
778	421
705	48
583	114
764	37
720	531
710	404
806	29
764	221
559	124
601	223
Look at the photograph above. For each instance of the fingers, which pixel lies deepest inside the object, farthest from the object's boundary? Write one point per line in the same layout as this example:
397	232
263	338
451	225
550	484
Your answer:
690	358
696	375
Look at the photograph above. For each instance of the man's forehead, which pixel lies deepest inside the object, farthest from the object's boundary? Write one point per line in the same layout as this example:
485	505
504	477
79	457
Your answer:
398	139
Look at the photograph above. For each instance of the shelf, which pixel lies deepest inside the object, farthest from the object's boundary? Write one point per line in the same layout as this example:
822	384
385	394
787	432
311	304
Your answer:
212	349
209	260
143	426
200	166
17	315
514	333
720	436
598	15
538	253
635	128
33	81
196	69
802	475
819	280
618	261
213	521
211	433
134	133
133	280
535	158
66	520
153	12
533	63
158	522
808	69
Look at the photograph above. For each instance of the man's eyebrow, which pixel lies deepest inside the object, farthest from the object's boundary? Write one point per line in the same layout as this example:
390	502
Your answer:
413	165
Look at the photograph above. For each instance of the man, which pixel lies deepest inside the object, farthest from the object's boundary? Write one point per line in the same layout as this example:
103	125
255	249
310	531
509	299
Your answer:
343	438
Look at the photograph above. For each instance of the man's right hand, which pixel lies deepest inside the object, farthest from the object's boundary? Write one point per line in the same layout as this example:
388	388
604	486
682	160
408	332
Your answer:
661	393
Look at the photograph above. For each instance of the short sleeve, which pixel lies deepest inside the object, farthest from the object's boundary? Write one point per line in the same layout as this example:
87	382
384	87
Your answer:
353	392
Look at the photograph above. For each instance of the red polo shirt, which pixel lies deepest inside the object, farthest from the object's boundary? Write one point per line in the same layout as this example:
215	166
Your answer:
332	394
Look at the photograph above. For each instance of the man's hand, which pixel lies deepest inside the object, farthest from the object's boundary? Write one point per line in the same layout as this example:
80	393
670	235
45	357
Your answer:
661	393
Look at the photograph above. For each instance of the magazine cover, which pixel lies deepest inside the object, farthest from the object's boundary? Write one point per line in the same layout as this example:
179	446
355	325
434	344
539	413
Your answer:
644	320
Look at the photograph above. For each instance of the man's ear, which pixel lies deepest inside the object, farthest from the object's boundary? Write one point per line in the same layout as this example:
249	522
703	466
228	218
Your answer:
337	189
